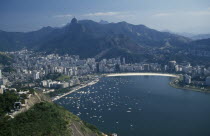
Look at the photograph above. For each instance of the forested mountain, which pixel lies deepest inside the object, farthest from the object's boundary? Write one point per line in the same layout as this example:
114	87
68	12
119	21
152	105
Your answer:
91	39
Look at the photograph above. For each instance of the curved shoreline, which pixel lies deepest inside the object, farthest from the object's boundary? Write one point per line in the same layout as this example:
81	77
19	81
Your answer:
188	88
75	89
132	74
112	75
140	74
160	74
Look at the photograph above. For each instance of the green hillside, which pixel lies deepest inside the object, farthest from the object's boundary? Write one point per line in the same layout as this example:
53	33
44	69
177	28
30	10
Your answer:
5	59
46	119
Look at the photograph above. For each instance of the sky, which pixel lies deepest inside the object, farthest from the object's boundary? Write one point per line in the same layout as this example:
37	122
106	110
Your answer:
189	16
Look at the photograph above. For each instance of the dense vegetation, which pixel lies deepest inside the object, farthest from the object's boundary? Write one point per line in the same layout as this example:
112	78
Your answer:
7	102
5	59
91	127
60	91
57	77
40	120
53	76
44	119
63	78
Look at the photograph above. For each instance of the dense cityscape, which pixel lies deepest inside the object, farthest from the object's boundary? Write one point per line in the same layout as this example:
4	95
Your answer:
104	68
52	73
30	66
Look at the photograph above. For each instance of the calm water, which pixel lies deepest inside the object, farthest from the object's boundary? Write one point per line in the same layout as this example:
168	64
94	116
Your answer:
141	106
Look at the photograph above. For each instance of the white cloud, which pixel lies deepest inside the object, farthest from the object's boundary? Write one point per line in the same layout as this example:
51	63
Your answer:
116	15
162	14
199	13
103	14
126	16
183	13
63	16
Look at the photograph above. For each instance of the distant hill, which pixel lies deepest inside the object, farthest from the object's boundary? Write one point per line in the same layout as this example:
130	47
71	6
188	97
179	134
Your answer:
103	22
200	36
5	59
195	36
203	44
91	39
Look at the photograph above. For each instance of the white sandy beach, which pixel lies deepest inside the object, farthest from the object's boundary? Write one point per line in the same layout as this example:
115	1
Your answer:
141	74
114	75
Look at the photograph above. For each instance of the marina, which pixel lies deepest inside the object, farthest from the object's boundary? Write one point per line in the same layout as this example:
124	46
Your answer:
133	104
75	89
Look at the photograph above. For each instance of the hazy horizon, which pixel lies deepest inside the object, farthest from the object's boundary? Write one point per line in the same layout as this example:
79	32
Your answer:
189	16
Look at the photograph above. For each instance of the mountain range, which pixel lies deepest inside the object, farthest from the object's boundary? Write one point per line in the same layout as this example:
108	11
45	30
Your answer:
195	36
100	40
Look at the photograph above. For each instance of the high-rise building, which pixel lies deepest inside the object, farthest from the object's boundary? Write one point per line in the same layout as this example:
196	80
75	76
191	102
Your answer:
123	61
44	83
36	75
0	74
146	67
208	81
187	79
172	65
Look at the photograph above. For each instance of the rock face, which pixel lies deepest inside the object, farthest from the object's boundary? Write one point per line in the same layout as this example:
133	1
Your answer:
31	101
74	21
36	98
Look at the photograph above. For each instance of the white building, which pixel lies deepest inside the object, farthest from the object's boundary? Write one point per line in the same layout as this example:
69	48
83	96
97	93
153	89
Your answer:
178	68
3	81
187	69
187	79
36	75
0	74
44	83
2	87
172	63
1	91
208	81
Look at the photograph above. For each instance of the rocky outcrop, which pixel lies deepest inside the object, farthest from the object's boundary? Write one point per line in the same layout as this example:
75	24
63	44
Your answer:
37	97
31	100
39	110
